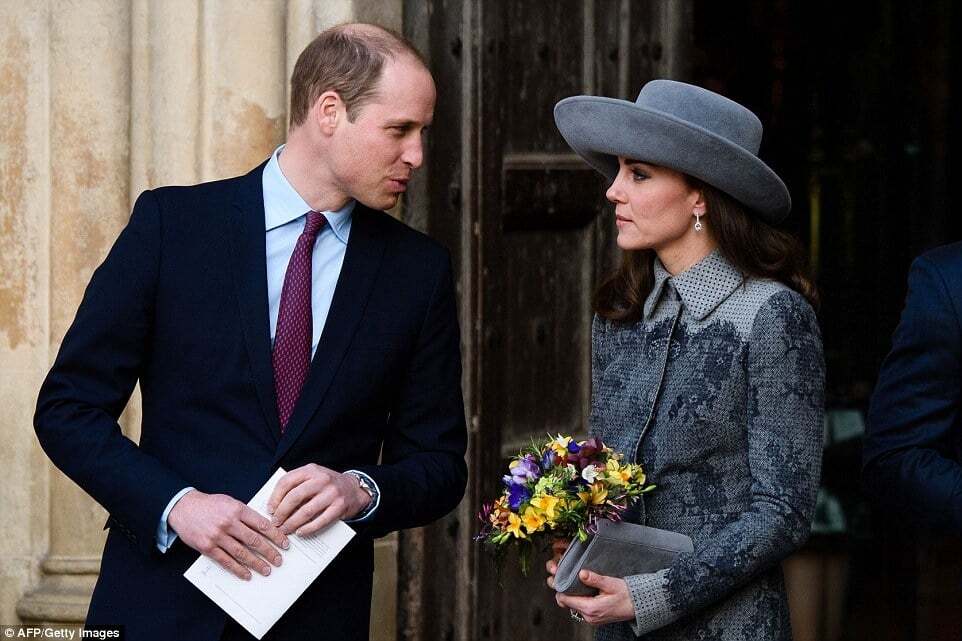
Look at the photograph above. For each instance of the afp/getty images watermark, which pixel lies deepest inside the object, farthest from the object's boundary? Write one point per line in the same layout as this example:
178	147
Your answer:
114	633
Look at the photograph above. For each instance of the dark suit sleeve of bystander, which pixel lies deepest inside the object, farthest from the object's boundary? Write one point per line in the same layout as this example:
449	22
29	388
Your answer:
910	469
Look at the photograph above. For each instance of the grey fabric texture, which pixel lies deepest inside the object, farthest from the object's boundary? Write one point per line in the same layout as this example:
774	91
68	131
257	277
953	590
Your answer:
718	392
683	127
614	549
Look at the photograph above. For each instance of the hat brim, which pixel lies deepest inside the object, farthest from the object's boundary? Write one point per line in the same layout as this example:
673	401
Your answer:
600	129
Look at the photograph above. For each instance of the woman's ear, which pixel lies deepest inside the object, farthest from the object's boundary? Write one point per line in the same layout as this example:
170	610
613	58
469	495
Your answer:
699	207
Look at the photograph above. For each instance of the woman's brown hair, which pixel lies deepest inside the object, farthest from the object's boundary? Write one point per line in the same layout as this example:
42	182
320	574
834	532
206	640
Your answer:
753	246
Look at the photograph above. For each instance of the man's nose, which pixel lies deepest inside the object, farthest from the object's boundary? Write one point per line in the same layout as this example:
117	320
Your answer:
413	154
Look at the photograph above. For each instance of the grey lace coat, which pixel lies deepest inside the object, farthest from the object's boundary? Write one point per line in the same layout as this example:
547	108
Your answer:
718	391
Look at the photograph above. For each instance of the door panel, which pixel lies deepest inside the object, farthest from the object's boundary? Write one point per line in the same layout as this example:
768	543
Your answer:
532	238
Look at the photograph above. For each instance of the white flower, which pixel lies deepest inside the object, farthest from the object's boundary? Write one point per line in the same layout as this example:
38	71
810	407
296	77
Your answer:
572	472
590	473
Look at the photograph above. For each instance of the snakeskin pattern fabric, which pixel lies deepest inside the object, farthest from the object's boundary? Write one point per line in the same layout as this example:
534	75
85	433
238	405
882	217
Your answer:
718	392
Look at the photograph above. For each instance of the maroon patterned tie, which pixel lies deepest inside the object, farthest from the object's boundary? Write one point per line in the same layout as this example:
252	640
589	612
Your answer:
292	338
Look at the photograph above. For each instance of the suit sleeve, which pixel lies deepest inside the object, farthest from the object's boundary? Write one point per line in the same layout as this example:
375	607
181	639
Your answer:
786	377
908	468
102	356
422	475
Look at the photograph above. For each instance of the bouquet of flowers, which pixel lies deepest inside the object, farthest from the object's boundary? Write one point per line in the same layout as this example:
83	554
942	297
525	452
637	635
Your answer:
559	490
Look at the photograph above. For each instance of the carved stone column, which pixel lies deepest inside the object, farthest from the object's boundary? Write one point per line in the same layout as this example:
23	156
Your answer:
89	112
24	225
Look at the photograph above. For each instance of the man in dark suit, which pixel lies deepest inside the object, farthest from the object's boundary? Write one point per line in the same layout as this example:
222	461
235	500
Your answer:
913	445
277	319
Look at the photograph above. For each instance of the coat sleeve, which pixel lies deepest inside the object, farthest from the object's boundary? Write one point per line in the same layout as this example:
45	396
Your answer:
423	475
908	465
785	412
101	357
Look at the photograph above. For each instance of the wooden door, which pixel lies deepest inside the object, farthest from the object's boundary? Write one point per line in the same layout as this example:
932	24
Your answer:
532	235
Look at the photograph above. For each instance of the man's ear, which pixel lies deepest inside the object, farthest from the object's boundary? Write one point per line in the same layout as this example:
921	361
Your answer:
328	112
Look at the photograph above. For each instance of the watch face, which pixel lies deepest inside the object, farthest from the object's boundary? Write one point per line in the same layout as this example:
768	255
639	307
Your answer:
365	485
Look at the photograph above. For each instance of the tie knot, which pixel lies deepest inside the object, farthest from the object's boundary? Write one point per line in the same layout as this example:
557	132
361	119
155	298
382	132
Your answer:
315	220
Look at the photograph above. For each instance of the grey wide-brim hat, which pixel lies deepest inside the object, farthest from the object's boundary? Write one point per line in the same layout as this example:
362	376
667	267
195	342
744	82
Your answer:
683	127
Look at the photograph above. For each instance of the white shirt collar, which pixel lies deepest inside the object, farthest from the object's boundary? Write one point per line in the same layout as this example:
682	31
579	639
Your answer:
282	203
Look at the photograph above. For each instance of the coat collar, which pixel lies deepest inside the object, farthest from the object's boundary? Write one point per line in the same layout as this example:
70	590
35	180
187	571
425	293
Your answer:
702	287
248	251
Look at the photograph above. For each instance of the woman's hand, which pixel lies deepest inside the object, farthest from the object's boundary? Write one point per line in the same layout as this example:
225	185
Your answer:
610	605
558	549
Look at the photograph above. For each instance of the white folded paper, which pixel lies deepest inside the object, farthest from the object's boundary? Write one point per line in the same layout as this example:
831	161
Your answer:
257	604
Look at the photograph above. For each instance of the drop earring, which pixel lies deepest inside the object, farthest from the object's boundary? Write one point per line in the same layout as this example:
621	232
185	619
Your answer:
698	225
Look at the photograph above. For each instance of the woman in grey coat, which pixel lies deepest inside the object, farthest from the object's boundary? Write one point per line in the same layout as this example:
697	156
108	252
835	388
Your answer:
707	362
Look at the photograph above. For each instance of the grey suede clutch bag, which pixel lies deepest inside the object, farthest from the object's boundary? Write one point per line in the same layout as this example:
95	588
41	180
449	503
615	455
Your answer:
618	549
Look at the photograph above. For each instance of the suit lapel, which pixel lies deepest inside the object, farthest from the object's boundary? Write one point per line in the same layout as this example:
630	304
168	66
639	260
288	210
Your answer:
362	259
249	257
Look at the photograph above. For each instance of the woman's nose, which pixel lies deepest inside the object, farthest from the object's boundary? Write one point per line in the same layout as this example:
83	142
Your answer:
615	193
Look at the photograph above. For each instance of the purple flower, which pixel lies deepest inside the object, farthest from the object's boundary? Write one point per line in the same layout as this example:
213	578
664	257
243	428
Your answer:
547	461
525	469
507	479
573	447
517	494
591	447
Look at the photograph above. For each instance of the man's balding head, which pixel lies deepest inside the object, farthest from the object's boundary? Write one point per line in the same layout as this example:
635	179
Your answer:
347	59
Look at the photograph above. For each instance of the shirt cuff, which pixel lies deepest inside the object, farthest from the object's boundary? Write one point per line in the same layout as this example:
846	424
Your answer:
166	536
366	513
649	594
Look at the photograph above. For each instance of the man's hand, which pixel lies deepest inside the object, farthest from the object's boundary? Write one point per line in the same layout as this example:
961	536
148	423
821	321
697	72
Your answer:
310	498
226	530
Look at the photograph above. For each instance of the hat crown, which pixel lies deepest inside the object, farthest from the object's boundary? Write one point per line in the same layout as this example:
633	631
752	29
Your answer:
706	109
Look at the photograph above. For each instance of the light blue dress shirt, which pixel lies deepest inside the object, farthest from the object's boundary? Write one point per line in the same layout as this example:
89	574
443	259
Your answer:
285	214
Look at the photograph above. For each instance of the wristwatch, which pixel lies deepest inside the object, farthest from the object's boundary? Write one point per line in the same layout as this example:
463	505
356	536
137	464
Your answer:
366	484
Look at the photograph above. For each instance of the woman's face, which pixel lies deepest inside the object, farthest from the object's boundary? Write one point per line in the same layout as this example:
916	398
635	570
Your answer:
654	206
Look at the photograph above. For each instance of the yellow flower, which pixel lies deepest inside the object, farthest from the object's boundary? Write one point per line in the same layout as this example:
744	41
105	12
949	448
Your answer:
514	526
596	496
640	477
533	519
546	503
560	445
617	474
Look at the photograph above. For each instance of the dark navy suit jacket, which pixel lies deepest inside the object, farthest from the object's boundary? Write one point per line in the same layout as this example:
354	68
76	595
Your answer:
913	448
180	305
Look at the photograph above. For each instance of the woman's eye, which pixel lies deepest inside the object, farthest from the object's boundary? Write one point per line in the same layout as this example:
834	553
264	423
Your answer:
638	176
